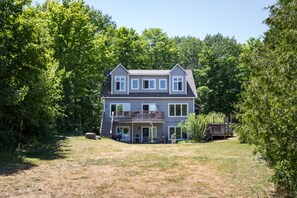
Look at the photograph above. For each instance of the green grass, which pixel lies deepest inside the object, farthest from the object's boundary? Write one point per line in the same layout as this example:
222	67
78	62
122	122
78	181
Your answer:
106	168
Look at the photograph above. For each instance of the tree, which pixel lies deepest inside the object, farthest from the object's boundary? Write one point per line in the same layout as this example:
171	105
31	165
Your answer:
81	51
127	48
30	89
188	50
268	108
161	50
250	50
217	78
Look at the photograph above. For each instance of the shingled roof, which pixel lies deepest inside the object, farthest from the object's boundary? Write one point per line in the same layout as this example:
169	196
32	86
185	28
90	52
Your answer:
191	88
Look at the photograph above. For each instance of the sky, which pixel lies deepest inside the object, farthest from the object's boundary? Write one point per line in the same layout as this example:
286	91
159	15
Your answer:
239	18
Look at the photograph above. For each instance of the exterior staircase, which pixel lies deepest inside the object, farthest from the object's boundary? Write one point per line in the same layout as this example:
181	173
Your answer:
105	126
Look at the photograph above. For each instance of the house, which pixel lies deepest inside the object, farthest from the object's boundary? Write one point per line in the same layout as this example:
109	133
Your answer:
146	106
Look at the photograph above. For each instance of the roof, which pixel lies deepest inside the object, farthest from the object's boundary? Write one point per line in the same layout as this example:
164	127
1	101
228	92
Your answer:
191	82
149	72
191	87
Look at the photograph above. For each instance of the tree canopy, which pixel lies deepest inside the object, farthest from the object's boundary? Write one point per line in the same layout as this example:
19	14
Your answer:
269	103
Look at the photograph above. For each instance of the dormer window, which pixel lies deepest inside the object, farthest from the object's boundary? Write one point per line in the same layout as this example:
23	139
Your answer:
120	83
178	83
135	84
162	84
149	84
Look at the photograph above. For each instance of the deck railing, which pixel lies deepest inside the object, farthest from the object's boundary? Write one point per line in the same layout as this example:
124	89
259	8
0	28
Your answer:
139	115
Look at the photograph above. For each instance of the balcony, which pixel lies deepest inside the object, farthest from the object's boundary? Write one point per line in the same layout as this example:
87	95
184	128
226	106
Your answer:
138	116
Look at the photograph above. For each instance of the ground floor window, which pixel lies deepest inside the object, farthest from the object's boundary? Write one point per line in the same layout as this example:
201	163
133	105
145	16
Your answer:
178	132
123	132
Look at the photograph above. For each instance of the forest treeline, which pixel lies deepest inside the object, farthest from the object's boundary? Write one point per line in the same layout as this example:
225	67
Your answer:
53	57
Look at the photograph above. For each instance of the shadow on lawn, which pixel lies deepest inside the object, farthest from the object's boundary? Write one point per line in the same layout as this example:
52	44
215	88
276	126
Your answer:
50	148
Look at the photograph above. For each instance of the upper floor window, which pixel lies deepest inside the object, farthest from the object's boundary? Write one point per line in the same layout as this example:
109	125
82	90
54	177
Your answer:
135	84
149	84
178	110
120	83
177	83
162	84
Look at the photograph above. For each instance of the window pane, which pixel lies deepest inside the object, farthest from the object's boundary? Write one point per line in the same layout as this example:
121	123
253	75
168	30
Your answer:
175	86
117	85
134	84
120	109
145	107
146	84
178	132
152	84
122	88
171	107
126	135
184	109
178	110
185	136
113	108
180	86
126	130
162	84
171	131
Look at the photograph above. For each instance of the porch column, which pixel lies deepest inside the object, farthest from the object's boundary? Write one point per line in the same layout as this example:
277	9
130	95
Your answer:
165	134
132	132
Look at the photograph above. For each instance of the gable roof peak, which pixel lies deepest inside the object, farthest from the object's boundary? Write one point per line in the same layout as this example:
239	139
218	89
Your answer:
177	65
119	65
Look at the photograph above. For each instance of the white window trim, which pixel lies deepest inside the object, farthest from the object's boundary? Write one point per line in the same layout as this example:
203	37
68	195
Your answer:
169	136
122	134
177	82
149	84
160	84
115	84
181	110
134	79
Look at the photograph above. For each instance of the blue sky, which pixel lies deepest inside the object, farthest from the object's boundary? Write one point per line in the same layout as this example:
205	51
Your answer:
239	18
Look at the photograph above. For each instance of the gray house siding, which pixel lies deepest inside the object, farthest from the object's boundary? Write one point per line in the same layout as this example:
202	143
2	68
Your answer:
163	110
136	105
162	105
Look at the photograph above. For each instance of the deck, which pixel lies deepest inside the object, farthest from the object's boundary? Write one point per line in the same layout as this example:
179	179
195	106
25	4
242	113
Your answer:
219	130
139	116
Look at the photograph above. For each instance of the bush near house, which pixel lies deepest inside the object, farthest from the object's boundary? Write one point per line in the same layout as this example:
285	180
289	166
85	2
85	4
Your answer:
196	125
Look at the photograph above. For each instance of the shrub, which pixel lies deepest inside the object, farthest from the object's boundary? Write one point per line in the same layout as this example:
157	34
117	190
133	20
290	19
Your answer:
196	125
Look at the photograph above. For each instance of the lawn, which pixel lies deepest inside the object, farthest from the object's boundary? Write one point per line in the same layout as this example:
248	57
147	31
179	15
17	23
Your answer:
105	168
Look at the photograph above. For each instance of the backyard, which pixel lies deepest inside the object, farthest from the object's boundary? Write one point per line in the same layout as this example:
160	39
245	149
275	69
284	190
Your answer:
79	167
